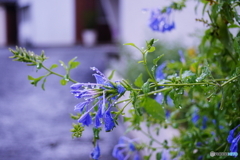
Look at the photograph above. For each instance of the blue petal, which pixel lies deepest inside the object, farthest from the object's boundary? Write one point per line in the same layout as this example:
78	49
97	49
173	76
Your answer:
79	107
234	145
137	156
132	147
117	153
96	152
109	122
120	89
99	79
204	122
97	121
231	134
76	86
85	119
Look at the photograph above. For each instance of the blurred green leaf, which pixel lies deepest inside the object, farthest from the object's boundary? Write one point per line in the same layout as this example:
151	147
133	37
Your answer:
153	108
139	81
53	66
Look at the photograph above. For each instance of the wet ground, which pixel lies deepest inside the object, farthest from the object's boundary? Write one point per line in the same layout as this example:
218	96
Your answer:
35	124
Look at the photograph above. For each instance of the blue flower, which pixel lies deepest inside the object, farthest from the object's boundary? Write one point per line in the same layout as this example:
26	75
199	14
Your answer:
109	121
182	58
159	72
125	148
233	140
195	116
161	21
99	98
85	119
96	152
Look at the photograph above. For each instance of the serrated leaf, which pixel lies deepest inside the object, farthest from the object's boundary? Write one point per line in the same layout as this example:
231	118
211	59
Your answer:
53	66
63	82
155	61
139	81
111	75
153	108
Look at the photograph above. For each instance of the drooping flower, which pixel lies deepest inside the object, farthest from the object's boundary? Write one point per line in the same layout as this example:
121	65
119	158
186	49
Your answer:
233	140
126	148
99	98
161	21
95	154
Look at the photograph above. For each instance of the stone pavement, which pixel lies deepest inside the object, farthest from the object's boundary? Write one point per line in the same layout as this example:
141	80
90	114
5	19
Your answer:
35	124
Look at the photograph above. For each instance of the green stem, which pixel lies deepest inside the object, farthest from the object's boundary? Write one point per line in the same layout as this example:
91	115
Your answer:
58	74
151	137
187	84
230	80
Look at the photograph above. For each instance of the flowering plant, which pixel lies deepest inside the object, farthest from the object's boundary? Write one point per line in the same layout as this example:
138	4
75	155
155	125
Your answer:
198	95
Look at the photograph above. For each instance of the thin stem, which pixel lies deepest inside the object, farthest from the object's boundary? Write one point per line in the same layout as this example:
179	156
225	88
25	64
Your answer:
151	137
187	84
228	81
58	74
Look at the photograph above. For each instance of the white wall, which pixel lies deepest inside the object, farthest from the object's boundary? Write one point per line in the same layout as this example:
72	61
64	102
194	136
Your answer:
134	22
2	26
52	23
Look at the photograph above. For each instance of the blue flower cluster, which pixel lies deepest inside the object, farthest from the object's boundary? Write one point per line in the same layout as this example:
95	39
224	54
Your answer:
125	149
161	21
233	140
99	98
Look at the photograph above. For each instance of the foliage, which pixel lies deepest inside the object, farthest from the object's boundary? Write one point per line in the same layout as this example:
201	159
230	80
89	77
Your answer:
198	95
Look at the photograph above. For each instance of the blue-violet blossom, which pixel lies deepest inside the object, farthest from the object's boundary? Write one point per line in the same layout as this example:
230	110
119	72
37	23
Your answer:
233	140
125	148
161	21
96	152
99	98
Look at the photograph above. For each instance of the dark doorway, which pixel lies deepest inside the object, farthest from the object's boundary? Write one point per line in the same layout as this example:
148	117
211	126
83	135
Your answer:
11	23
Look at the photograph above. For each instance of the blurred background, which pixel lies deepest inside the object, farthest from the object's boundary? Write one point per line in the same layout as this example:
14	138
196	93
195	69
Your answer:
35	124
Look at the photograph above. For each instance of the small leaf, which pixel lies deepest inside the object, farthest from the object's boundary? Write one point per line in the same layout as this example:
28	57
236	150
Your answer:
30	78
74	65
153	108
146	87
155	61
139	81
111	75
130	44
53	66
158	156
63	82
44	81
151	49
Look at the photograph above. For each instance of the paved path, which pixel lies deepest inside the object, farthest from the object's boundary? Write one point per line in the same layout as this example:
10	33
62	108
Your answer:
35	124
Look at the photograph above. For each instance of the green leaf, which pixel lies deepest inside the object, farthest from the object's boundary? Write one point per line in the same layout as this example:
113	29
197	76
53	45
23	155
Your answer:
146	87
151	49
205	72
139	81
111	75
30	78
130	44
53	66
73	65
44	81
62	64
153	108
155	61
158	156
96	132
63	82
233	26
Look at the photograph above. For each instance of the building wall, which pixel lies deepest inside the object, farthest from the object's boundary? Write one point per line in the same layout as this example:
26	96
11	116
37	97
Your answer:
134	22
48	22
3	37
